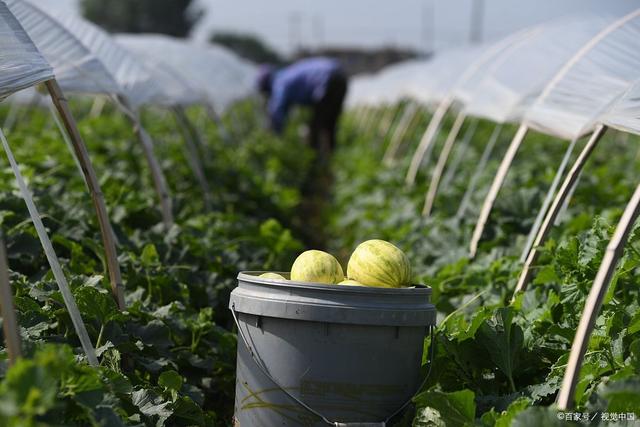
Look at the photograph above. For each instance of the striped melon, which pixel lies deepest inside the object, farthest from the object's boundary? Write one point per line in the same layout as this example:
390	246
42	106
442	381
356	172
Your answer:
350	282
273	276
379	263
317	267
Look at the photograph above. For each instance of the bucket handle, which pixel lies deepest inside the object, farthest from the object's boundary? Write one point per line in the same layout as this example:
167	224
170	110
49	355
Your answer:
266	372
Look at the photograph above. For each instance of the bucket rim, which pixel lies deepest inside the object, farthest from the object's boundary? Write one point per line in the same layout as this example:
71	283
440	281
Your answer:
253	277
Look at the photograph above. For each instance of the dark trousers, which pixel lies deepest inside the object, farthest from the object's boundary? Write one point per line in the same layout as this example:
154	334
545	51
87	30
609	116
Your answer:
324	119
316	191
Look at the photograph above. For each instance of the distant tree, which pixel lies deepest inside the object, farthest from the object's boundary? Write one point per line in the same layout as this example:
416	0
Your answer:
173	17
248	46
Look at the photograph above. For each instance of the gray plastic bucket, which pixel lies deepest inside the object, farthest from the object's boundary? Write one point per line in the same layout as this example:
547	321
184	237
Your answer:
313	354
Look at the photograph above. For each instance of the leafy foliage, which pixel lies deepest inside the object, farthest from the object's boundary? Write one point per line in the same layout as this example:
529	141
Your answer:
501	360
169	359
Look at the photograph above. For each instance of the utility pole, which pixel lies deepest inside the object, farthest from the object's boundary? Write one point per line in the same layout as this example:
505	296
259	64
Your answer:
477	21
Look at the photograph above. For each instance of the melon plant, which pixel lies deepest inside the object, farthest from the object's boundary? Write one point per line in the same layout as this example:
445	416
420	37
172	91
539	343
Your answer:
379	263
273	276
318	267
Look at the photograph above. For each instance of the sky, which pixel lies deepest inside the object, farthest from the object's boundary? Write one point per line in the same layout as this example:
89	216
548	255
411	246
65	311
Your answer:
418	24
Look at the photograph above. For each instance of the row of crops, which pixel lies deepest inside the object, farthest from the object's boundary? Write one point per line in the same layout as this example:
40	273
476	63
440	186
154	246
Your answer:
489	168
499	361
122	319
169	358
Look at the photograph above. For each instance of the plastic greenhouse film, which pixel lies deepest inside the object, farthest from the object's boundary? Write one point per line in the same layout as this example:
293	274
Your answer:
470	70
222	76
617	44
176	89
610	63
56	269
518	76
624	115
76	67
584	36
133	78
80	69
21	65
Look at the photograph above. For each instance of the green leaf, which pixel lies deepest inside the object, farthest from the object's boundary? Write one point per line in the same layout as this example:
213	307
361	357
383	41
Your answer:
618	396
453	409
170	380
149	256
503	340
506	417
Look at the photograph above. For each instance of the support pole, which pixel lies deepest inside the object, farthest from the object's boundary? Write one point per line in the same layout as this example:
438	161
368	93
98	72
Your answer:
480	167
594	301
222	129
547	200
97	106
106	231
10	326
496	185
569	182
54	263
459	153
362	117
398	135
383	126
67	141
442	162
12	116
157	176
427	141
193	157
196	136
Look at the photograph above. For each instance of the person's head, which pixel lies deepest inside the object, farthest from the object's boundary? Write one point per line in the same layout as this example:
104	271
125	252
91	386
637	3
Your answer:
265	78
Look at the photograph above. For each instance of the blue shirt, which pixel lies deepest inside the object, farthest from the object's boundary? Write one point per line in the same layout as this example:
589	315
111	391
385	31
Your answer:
303	83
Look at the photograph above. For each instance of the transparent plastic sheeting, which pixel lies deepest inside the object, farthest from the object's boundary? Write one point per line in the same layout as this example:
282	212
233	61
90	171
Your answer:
518	76
222	75
386	86
21	65
624	114
436	80
426	80
488	61
77	69
596	78
134	79
176	89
